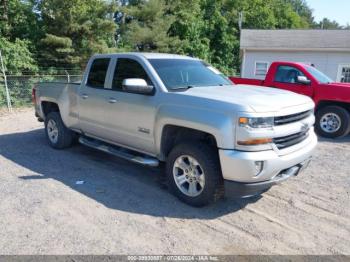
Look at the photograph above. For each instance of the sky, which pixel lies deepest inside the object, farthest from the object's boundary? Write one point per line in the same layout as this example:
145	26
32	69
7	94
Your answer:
338	10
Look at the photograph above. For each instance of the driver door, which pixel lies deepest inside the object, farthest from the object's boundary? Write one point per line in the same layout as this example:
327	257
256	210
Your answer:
287	78
131	116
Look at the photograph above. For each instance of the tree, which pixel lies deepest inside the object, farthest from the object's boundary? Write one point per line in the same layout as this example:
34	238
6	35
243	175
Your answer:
16	35
222	33
303	10
4	15
17	20
74	30
272	14
189	26
144	26
17	56
326	23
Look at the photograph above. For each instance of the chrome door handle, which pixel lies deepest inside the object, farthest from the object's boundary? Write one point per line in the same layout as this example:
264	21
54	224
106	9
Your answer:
112	100
84	96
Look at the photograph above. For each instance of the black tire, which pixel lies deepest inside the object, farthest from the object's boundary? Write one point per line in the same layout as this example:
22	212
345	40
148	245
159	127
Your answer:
65	136
209	162
344	117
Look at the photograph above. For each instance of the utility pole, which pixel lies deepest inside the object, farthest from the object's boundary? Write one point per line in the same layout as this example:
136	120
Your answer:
240	20
9	105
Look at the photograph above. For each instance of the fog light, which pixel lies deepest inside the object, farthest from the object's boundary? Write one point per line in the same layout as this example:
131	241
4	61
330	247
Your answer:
259	166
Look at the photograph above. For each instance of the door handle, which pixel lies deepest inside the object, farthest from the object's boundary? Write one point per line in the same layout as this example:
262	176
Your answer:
112	100
84	96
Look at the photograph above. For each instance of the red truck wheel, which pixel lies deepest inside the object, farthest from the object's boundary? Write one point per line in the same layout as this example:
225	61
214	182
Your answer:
333	122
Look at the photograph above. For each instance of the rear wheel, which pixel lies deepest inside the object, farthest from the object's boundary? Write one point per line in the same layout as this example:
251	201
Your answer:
58	135
333	122
194	174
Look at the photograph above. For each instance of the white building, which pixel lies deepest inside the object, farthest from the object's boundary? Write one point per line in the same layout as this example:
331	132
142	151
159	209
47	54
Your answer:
328	50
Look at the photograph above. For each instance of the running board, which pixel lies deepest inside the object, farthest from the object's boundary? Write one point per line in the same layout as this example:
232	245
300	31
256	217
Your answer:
120	152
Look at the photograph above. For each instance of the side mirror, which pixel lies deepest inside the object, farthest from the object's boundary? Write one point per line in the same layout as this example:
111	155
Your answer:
137	86
303	80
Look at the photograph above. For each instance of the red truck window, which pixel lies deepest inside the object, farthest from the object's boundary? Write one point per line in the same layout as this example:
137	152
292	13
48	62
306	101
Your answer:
287	74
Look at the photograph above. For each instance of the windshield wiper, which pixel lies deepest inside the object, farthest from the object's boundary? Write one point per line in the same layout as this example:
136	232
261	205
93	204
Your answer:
182	87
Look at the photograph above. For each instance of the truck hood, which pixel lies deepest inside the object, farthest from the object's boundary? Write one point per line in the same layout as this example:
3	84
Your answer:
258	99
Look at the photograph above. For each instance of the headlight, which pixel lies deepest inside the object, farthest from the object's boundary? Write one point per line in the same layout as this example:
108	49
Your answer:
256	122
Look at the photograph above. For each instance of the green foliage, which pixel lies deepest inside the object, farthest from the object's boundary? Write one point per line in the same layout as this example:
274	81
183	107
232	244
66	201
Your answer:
149	30
65	33
17	60
189	27
19	21
75	30
328	24
301	8
17	56
203	28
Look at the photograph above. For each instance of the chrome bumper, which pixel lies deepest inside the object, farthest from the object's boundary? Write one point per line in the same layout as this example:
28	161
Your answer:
240	166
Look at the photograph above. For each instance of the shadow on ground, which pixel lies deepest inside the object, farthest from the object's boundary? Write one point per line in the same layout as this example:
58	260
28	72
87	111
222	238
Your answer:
113	182
342	140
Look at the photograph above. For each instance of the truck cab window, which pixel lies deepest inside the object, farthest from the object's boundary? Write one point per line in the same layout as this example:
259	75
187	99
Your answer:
128	68
287	74
98	72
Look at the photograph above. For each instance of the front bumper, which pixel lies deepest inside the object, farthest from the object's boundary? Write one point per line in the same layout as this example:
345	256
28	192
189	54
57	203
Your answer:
239	169
237	189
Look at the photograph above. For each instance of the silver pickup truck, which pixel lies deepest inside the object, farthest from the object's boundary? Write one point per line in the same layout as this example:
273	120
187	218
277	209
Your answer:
213	136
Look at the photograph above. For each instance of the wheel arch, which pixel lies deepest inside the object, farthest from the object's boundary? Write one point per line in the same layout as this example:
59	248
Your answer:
324	103
48	107
174	134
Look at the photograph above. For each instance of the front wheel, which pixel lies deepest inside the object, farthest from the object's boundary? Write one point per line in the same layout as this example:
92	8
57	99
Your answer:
194	174
333	122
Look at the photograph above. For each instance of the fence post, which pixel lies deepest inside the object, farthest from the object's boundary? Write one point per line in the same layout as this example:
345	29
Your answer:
9	105
68	76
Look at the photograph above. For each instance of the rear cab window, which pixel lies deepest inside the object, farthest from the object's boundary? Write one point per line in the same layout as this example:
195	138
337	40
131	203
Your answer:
98	73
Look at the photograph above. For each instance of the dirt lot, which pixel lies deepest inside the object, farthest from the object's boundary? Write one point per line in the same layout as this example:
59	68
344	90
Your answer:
123	208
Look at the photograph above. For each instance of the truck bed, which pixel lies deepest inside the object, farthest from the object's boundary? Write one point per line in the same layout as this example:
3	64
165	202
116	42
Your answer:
247	81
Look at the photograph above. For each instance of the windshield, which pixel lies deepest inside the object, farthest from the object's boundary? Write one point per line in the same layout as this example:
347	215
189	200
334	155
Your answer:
320	77
186	73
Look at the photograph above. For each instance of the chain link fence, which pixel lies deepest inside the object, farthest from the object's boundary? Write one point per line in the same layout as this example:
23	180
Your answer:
20	87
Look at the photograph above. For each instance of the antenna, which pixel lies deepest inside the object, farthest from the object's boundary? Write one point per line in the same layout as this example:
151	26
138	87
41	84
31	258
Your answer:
9	106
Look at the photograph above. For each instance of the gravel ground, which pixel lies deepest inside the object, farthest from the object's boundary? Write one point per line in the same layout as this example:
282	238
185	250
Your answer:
122	208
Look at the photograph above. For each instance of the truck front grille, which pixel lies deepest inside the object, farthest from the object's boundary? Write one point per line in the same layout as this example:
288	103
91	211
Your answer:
291	140
282	120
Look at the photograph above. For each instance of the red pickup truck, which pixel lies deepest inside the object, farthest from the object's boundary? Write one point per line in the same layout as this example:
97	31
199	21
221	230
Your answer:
332	99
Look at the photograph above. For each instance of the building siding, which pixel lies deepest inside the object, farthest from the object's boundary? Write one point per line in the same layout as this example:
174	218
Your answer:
325	61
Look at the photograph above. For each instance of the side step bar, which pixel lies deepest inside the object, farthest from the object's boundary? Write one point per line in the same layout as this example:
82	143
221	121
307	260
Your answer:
120	152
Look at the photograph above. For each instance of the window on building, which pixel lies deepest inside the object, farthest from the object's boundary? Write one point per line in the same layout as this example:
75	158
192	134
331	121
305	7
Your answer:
98	72
261	68
345	74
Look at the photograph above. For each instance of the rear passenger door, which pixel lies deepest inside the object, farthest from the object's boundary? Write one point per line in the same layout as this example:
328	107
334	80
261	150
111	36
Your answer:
93	101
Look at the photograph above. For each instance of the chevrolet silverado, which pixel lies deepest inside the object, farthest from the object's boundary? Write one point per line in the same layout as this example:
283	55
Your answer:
162	108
